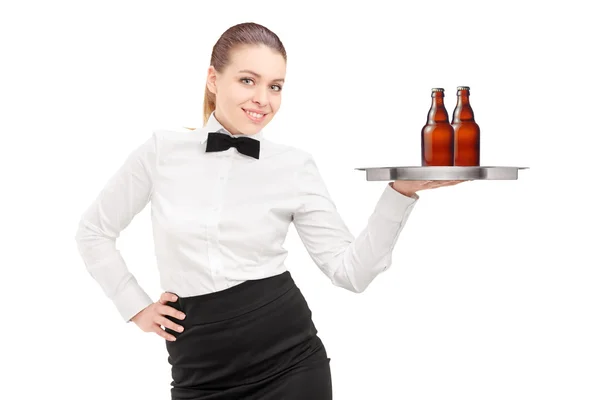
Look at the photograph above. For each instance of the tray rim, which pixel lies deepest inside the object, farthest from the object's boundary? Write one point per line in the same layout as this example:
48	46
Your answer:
441	172
441	167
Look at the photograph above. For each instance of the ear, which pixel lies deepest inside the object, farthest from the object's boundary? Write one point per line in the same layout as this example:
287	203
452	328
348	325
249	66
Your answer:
211	80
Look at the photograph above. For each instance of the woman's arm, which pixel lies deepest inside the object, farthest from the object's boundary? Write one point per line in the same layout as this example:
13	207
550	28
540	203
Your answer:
349	262
125	194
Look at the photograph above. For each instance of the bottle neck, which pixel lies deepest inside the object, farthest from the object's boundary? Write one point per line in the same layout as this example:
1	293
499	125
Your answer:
437	112
463	110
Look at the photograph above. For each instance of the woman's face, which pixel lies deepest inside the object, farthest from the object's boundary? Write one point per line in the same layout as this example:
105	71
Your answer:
248	91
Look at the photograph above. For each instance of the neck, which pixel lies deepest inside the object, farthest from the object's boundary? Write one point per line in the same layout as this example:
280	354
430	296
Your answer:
226	125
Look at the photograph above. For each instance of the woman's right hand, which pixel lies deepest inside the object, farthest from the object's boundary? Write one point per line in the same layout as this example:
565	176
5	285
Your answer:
152	317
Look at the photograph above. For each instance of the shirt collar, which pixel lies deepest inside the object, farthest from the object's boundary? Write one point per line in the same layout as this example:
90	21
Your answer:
212	125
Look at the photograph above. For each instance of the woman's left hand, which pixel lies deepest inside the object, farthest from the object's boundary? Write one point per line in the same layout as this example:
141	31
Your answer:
409	188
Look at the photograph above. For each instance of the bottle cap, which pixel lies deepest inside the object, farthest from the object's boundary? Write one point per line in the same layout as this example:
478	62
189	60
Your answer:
437	89
463	88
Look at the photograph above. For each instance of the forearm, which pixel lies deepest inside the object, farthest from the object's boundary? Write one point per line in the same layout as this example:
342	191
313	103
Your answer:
370	253
107	267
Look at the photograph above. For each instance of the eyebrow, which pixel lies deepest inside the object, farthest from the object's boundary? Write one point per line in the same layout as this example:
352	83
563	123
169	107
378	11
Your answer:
247	71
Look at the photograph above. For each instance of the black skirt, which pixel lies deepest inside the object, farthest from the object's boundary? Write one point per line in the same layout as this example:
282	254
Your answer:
252	341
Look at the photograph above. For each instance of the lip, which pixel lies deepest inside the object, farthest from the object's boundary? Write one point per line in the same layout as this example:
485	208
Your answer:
254	111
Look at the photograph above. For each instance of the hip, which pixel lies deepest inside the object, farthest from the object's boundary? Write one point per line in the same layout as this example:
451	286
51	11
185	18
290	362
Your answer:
244	334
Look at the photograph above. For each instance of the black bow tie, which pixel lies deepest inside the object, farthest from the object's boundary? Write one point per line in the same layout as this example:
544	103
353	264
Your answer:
245	145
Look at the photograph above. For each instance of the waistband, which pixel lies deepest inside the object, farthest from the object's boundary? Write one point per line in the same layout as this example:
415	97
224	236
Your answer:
233	301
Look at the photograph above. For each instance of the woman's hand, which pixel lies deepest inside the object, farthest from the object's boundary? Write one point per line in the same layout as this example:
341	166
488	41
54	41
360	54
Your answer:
409	188
152	317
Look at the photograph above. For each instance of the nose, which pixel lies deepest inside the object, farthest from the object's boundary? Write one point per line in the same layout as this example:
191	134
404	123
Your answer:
260	96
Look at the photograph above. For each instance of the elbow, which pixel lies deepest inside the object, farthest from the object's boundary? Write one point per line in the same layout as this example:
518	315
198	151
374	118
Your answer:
81	234
351	285
90	240
352	279
357	280
358	289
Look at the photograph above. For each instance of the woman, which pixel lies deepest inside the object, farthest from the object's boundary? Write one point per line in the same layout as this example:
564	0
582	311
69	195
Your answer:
222	198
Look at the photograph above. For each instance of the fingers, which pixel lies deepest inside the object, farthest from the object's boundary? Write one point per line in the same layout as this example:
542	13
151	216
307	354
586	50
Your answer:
160	332
159	319
153	317
438	184
166	296
168	310
434	184
442	183
167	323
450	183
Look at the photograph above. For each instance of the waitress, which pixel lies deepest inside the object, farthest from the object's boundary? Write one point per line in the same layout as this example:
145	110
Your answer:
223	196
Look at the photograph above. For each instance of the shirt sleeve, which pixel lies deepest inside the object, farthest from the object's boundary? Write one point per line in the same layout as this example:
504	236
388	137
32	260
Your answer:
349	262
125	194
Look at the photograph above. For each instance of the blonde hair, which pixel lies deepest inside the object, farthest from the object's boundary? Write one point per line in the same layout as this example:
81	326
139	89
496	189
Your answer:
247	33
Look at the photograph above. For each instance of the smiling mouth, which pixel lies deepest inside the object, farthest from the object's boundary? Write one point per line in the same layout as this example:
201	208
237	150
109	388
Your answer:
254	115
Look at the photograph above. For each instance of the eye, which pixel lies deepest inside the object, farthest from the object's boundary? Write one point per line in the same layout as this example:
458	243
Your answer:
277	88
245	80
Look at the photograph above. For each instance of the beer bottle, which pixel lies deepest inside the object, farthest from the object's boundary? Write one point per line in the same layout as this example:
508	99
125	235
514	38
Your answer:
437	136
466	130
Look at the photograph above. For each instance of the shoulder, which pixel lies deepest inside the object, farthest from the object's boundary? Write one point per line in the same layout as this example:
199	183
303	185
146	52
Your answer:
175	142
178	135
293	155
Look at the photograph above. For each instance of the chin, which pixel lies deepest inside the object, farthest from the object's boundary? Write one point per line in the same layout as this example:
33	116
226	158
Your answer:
251	129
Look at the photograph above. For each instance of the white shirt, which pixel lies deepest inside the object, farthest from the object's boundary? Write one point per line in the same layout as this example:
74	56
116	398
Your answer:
221	218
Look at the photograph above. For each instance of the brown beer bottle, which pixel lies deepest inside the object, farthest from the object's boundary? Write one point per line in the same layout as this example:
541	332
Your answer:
466	130
437	136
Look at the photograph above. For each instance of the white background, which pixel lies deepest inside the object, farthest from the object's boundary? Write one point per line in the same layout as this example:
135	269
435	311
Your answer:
494	289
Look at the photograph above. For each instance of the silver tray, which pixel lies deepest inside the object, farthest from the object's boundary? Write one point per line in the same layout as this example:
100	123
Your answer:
438	173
